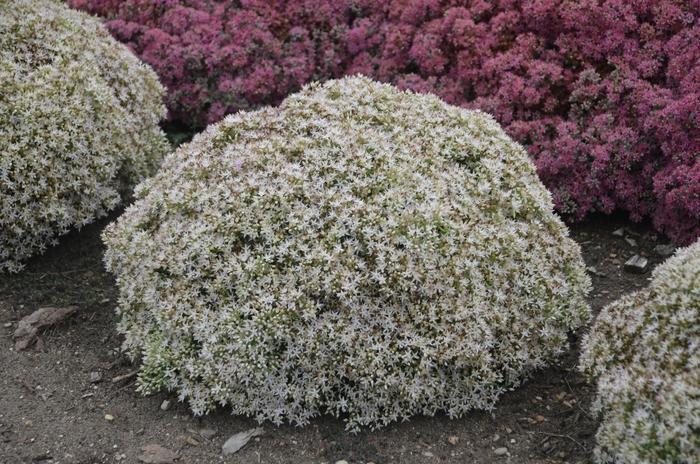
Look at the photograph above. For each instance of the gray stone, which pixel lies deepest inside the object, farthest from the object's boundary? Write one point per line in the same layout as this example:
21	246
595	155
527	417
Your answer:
637	264
593	270
239	440
27	330
664	250
156	454
207	433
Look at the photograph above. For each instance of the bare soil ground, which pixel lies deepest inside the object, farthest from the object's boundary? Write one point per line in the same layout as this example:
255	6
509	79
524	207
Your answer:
51	412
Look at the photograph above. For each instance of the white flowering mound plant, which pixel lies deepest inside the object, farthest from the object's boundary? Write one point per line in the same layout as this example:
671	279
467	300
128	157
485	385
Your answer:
644	351
78	124
358	251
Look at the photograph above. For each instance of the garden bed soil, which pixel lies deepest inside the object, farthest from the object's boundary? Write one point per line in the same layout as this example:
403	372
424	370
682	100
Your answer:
53	411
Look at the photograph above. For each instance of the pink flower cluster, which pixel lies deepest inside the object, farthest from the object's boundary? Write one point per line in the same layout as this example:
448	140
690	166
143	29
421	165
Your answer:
217	57
605	94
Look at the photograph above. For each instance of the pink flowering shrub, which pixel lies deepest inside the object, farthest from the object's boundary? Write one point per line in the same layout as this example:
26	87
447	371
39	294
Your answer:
604	94
217	57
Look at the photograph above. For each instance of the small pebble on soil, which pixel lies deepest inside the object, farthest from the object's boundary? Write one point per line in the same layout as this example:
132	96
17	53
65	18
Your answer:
207	433
637	264
664	250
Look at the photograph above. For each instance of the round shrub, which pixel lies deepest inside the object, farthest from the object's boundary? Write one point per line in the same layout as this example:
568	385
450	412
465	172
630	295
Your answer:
358	251
78	124
644	351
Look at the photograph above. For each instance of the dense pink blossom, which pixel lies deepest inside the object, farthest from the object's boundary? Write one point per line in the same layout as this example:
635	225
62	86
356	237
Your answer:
217	57
605	94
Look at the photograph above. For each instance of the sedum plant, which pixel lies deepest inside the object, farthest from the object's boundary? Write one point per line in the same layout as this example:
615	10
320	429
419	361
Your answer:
644	352
603	93
359	251
78	124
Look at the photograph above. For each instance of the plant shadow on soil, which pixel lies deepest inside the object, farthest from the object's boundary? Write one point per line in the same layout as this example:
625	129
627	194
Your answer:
51	412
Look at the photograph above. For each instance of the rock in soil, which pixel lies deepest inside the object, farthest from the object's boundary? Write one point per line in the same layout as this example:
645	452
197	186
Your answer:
239	440
593	270
207	433
156	454
637	264
28	327
664	250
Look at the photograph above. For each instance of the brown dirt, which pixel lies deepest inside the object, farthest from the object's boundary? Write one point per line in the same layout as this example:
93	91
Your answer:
51	413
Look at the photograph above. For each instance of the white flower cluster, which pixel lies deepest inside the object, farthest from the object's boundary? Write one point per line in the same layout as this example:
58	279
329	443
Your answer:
359	251
78	124
644	351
